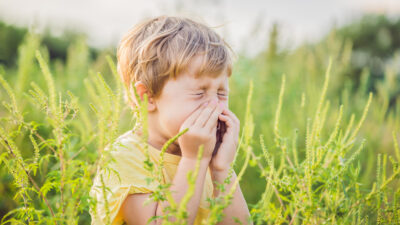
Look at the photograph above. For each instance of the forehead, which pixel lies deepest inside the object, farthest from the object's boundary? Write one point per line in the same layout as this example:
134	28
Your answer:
190	81
194	79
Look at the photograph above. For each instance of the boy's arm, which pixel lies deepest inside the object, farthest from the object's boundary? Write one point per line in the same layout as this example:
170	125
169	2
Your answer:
180	185
135	213
238	207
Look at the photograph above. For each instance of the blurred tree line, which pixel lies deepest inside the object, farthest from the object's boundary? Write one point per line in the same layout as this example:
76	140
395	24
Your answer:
376	47
11	37
375	40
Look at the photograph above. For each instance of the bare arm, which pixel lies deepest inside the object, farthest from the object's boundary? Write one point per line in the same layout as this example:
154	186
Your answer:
136	214
238	207
180	186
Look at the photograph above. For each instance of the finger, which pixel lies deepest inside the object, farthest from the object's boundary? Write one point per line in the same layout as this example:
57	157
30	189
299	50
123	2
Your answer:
228	121
231	130
229	113
230	126
192	117
205	115
213	120
214	130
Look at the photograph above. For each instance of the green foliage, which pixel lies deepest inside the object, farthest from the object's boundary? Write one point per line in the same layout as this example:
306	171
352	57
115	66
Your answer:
376	45
301	158
12	37
50	145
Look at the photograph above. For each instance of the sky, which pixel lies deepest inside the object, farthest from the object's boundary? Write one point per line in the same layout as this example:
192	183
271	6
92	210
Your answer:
244	24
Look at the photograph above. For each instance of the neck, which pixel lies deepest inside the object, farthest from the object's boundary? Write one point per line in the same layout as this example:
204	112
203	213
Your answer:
157	141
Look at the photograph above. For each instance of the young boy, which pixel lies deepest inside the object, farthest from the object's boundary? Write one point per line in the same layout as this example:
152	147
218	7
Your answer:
183	67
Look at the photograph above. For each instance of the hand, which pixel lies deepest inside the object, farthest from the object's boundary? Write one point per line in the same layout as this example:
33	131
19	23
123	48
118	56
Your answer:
202	125
229	131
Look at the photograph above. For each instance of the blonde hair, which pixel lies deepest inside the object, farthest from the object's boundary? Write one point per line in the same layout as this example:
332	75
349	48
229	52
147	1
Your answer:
161	48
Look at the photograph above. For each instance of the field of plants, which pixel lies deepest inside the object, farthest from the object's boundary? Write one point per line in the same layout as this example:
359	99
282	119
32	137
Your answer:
319	141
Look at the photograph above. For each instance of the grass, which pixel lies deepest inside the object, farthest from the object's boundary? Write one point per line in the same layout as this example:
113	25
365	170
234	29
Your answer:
313	149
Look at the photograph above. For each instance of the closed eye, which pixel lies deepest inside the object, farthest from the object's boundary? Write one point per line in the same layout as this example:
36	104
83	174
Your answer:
218	94
199	94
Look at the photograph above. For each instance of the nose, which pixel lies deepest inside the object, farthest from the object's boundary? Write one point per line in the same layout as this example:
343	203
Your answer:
213	98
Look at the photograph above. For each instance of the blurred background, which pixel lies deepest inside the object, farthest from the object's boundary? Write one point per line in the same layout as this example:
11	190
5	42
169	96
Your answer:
104	22
271	38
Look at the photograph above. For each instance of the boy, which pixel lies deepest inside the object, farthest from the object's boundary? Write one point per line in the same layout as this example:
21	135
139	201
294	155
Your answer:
183	67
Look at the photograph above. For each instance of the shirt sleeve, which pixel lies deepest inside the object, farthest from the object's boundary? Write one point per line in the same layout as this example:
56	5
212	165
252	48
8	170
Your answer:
125	175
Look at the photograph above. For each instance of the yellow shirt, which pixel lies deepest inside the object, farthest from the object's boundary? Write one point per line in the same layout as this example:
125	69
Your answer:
129	155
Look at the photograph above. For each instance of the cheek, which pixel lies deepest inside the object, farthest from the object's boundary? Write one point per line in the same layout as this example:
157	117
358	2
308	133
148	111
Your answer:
178	114
187	110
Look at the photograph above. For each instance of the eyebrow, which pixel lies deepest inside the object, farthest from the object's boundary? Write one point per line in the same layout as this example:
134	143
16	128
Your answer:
204	86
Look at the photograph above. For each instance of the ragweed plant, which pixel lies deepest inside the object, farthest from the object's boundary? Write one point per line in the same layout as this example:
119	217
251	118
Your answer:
64	174
324	188
54	177
309	156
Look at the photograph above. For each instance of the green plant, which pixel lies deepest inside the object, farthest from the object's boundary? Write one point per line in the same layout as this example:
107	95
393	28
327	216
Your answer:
299	145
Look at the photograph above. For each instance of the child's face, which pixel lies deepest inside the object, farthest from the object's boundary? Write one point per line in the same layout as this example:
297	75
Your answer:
181	97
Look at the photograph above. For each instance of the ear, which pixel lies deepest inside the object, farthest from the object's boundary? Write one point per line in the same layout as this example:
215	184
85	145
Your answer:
141	89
